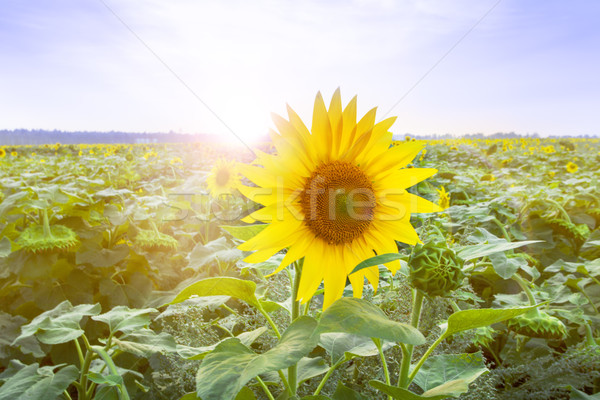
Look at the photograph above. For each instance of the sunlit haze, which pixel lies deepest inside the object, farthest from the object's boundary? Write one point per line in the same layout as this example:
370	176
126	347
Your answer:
528	66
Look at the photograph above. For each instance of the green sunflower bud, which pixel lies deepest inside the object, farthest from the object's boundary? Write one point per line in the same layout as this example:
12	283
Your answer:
537	324
47	238
154	240
58	238
435	269
578	233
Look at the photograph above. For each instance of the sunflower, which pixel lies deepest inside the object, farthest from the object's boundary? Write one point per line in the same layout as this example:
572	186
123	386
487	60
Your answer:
572	167
444	201
334	195
224	178
2	153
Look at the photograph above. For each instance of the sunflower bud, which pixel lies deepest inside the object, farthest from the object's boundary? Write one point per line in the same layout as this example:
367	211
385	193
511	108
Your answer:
537	324
57	238
578	233
435	269
154	240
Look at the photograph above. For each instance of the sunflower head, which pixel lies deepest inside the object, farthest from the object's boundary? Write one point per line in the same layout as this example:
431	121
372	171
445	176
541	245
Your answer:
154	240
36	239
2	152
224	178
334	195
578	233
444	201
537	324
435	269
571	167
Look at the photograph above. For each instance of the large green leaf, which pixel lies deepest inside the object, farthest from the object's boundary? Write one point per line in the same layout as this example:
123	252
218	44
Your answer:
471	319
347	346
145	342
220	286
482	250
359	317
219	250
100	257
32	382
198	353
231	365
244	232
125	319
460	369
59	325
403	394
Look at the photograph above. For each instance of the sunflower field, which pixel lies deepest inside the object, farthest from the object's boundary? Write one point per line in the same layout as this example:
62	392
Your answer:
332	262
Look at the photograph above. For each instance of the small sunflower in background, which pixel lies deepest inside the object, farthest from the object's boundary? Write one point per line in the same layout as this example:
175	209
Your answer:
444	201
2	153
14	153
572	167
224	178
334	196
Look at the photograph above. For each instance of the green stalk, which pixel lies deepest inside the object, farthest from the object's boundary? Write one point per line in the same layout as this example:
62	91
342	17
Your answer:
79	353
525	286
403	379
386	373
85	368
502	229
265	388
269	320
327	375
425	356
293	370
589	336
46	223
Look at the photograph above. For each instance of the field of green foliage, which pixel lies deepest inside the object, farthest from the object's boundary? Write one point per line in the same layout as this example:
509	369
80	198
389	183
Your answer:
121	278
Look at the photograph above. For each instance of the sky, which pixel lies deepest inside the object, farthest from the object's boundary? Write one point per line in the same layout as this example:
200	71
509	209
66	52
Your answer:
222	67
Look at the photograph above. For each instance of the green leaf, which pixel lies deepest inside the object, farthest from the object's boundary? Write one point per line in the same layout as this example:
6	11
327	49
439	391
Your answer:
36	383
219	250
59	325
125	319
231	365
380	259
145	342
5	247
345	393
110	380
482	250
307	368
245	394
403	394
471	319
451	372
359	317
101	257
244	232
220	286
198	353
347	346
579	395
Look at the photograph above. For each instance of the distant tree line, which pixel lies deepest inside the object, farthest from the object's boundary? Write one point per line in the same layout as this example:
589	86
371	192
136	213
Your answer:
497	135
41	136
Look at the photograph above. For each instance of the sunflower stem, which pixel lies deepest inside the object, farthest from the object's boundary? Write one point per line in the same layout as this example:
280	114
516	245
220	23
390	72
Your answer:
403	379
293	370
46	223
265	388
386	373
525	286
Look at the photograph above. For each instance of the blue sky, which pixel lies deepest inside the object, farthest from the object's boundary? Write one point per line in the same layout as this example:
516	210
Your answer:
529	66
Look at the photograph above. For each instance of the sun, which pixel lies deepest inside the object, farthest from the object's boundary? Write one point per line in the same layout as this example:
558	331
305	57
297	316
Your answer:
335	195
